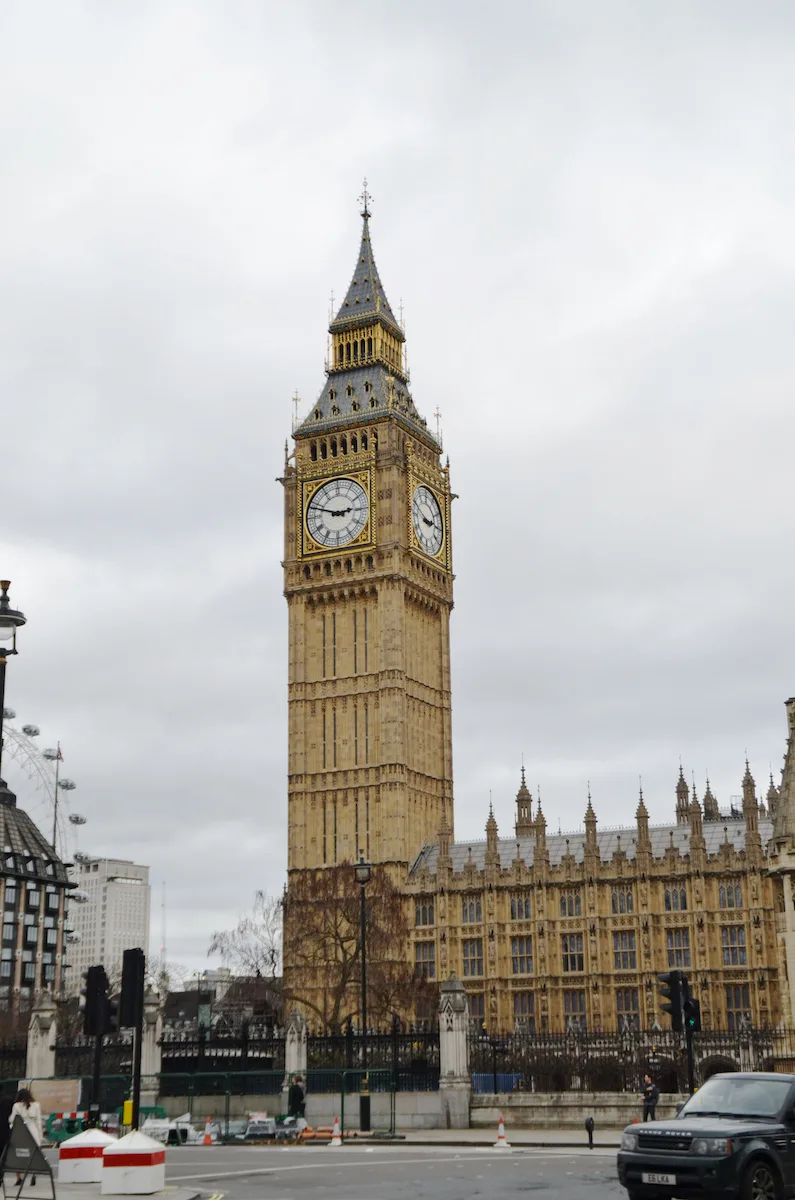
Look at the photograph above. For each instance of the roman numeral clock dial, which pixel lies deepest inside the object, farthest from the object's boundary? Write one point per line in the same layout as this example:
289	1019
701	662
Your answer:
427	517
337	513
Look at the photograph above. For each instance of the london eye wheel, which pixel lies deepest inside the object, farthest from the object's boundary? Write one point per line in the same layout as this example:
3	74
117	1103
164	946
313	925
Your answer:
45	792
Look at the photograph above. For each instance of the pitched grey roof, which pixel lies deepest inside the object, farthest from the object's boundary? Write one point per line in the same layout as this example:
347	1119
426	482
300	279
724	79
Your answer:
24	851
366	298
376	391
662	836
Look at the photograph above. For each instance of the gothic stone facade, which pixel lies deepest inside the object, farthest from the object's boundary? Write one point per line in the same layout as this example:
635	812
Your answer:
554	931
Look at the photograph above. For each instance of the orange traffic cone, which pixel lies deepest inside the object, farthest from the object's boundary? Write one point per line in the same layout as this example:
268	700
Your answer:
502	1142
207	1140
336	1140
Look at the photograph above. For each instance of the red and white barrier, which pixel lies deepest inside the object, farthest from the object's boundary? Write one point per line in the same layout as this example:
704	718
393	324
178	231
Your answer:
135	1165
80	1157
336	1140
502	1142
70	1116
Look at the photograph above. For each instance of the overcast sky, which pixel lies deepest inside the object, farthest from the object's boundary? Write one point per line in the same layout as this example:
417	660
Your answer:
587	211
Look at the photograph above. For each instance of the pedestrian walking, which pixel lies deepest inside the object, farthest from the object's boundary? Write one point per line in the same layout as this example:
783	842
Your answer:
650	1094
295	1098
30	1111
6	1104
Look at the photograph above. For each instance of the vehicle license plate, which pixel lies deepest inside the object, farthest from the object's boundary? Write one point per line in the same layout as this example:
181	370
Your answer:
668	1180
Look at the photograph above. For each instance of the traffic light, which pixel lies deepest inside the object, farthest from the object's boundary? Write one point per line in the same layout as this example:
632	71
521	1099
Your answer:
111	1016
671	990
132	988
93	999
691	1007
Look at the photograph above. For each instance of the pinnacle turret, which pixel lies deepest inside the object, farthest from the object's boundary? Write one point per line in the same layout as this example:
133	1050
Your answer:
682	798
711	810
524	809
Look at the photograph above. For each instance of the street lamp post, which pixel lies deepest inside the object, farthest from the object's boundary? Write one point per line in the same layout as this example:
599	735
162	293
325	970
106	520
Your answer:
363	873
10	621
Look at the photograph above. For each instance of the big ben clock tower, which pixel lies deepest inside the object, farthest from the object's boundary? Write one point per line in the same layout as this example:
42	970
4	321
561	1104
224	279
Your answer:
369	587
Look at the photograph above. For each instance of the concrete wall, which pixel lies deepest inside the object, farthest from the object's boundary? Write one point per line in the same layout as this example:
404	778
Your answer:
414	1110
565	1110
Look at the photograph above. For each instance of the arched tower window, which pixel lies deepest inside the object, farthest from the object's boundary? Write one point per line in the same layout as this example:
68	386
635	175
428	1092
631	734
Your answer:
369	347
313	451
364	441
323	449
347	352
354	444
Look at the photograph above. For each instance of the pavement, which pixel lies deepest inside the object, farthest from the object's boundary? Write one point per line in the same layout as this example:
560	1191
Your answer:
541	1138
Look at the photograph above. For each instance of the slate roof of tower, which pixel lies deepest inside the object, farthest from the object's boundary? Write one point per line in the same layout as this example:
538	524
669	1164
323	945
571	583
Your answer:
366	299
24	851
608	840
388	393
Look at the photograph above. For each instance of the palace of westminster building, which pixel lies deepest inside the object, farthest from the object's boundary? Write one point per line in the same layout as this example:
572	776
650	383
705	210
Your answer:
550	930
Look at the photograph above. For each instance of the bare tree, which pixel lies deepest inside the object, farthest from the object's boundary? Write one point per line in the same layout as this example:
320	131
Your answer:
322	919
254	946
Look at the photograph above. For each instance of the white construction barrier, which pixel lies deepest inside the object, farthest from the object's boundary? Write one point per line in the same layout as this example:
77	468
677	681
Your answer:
80	1157
135	1165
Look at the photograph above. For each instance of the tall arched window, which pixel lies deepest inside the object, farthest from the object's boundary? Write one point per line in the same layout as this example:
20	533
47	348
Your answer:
364	441
354	444
369	347
347	352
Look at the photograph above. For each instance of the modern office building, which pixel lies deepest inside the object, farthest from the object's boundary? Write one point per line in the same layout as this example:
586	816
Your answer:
110	912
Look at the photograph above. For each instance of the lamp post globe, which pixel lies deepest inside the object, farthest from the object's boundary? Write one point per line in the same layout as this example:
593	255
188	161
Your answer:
10	621
363	873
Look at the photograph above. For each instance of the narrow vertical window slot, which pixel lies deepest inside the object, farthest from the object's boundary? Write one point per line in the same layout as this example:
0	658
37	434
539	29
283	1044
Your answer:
365	639
334	735
324	738
356	737
355	646
324	833
335	832
324	646
366	732
333	643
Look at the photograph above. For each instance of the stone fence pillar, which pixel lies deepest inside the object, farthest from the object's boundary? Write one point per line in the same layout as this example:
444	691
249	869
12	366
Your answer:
42	1031
151	1050
294	1053
455	1084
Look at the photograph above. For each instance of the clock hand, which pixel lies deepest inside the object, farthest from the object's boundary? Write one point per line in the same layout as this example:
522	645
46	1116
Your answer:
427	522
337	512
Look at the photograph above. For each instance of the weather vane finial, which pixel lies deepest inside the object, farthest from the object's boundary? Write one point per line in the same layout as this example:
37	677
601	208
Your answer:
365	199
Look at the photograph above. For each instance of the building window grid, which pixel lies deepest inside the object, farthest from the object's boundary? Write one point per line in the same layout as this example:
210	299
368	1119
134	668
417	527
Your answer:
524	1010
733	945
472	953
471	910
424	912
522	955
738	1006
676	899
425	960
574	1009
623	901
678	946
521	908
628	1008
477	1006
625	951
730	895
572	954
570	904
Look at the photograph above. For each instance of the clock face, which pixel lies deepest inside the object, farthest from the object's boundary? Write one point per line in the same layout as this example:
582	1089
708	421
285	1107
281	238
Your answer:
337	512
427	517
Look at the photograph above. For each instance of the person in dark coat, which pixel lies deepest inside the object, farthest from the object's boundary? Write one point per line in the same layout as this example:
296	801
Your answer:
650	1094
295	1098
6	1104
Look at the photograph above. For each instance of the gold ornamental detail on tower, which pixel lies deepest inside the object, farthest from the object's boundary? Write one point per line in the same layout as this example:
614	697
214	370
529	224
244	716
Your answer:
337	512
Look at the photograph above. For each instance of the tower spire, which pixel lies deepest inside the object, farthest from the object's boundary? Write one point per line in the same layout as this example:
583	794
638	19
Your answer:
365	200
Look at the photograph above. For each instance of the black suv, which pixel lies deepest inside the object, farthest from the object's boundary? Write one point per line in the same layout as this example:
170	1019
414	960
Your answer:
733	1140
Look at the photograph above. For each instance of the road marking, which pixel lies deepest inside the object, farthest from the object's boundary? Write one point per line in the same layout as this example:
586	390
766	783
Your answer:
405	1162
